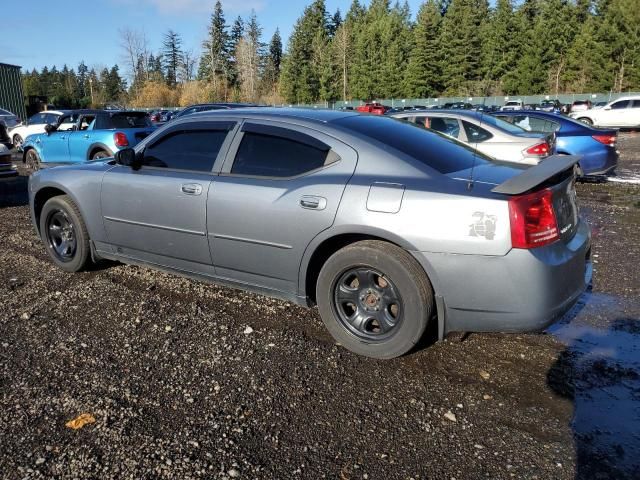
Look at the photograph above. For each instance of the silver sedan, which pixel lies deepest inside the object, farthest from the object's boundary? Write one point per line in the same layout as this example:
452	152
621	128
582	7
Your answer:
385	226
490	135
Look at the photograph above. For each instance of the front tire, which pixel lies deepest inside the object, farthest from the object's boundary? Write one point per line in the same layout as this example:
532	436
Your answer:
32	161
375	299
586	120
64	234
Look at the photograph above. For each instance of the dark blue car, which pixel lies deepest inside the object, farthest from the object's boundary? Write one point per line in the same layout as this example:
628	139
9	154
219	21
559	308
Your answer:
597	146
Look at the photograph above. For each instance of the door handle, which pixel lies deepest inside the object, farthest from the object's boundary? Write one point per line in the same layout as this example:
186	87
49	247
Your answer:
86	136
313	202
191	188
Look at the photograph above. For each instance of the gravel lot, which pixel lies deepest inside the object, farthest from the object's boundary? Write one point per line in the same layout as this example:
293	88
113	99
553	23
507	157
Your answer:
188	380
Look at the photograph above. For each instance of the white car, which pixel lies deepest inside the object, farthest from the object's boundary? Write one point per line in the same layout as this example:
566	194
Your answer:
36	124
513	105
621	113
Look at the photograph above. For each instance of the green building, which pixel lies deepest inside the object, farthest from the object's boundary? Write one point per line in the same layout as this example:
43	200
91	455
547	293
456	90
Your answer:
11	94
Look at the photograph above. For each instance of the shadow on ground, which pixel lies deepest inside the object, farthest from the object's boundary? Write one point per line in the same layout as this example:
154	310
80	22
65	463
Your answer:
14	192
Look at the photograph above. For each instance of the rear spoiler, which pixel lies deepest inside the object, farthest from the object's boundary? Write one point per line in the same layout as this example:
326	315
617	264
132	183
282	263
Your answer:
534	176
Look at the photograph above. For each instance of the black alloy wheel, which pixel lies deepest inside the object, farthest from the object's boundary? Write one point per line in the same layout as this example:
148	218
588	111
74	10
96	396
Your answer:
61	235
367	303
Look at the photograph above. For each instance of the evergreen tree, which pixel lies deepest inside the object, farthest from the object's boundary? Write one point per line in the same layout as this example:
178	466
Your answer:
334	23
500	48
171	57
461	46
300	73
422	77
214	62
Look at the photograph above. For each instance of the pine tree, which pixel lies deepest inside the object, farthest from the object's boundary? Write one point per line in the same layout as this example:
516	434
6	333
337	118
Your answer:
214	62
171	57
500	47
422	77
271	73
300	77
461	46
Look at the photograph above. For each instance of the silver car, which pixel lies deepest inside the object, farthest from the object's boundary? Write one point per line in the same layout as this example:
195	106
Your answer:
385	226
492	136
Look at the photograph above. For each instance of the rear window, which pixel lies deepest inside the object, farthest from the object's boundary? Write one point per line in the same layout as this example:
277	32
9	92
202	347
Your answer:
499	123
433	149
137	120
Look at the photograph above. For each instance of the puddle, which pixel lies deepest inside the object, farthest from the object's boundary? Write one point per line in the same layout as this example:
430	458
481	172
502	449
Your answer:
600	372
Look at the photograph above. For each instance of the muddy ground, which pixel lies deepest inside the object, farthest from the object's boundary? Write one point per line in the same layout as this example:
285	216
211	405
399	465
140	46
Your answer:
179	388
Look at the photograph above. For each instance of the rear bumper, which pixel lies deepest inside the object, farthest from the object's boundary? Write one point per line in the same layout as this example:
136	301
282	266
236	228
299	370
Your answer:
525	290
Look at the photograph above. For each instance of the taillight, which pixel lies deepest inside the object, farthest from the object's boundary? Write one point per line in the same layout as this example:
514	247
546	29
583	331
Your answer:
120	139
539	149
533	220
606	139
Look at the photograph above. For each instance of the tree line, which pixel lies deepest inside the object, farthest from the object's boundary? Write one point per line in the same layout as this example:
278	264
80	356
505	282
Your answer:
379	50
463	48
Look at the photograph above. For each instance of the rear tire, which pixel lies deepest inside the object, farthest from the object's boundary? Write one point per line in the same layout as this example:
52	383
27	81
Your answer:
32	161
375	299
64	234
586	120
100	154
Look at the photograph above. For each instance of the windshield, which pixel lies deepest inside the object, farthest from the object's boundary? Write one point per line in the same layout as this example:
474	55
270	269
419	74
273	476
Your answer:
434	149
512	104
499	123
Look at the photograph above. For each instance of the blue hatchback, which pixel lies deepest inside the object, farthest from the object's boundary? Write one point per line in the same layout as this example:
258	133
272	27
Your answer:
94	134
597	146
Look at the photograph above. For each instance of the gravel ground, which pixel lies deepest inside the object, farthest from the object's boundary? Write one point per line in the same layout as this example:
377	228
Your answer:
188	380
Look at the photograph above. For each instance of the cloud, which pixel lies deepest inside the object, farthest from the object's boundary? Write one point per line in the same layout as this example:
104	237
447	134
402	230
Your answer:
198	7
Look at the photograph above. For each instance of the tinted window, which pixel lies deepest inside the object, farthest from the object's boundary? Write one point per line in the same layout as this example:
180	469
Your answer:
635	104
620	104
134	120
271	156
186	150
431	148
51	118
475	134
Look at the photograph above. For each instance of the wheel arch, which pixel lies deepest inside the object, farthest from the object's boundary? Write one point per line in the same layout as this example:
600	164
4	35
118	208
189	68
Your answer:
323	246
97	147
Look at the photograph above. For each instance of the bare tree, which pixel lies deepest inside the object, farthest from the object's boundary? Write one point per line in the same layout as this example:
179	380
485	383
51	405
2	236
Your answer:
342	45
248	59
188	66
135	53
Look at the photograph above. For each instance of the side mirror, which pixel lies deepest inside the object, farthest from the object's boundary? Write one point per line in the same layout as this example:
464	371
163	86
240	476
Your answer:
128	158
48	128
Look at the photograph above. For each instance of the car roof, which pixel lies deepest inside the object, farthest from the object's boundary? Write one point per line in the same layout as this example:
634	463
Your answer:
318	115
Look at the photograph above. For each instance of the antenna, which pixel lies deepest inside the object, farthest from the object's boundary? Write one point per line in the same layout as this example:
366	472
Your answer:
475	148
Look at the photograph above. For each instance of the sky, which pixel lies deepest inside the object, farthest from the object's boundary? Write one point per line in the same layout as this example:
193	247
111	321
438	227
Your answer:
69	31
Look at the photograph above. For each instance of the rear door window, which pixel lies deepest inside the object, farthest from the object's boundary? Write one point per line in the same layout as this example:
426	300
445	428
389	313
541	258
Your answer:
475	134
195	150
279	153
635	104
